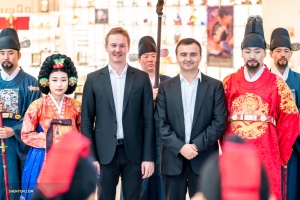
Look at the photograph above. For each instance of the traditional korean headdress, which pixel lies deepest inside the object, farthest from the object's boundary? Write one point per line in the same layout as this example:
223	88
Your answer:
68	172
9	40
57	62
146	45
280	38
236	174
254	33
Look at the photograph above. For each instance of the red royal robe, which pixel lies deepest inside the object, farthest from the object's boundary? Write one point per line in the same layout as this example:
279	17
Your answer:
267	96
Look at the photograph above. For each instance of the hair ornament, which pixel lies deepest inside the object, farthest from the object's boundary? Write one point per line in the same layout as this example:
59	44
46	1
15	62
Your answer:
44	82
59	63
73	80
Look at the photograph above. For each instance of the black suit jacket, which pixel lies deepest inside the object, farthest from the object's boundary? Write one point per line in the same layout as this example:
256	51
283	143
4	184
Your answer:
99	122
163	78
209	122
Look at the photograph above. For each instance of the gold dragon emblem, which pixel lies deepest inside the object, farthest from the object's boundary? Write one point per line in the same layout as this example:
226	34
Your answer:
249	104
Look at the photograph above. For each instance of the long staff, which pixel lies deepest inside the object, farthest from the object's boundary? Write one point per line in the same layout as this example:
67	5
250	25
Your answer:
3	147
159	8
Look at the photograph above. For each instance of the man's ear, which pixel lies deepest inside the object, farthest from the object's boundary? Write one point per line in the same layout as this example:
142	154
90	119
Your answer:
271	54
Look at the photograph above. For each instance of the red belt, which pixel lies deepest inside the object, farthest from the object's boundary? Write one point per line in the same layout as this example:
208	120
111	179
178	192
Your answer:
254	118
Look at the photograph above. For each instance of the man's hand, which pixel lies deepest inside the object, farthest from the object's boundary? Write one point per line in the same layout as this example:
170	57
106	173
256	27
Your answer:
189	151
198	196
97	166
155	91
147	169
1	106
6	132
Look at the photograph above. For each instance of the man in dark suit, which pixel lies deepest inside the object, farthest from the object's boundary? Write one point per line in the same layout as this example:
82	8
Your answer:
152	187
117	115
190	117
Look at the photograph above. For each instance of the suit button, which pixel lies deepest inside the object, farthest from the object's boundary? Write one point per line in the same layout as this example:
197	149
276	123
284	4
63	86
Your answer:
115	136
115	122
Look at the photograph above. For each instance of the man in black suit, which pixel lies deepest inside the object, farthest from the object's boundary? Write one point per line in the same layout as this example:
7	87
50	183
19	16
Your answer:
117	115
190	117
152	187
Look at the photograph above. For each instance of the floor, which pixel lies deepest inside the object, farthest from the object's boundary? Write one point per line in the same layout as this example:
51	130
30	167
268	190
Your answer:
118	192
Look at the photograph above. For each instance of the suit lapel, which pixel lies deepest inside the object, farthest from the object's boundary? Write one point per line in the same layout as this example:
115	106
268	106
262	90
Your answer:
176	91
130	76
105	79
201	91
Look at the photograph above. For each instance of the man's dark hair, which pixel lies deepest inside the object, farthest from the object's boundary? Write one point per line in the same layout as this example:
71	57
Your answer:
188	41
223	12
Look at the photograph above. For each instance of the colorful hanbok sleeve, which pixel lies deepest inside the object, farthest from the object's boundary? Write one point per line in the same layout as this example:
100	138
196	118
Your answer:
29	134
77	105
288	112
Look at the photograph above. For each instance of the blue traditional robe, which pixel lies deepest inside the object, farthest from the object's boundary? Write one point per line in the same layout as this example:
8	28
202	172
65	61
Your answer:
17	95
293	174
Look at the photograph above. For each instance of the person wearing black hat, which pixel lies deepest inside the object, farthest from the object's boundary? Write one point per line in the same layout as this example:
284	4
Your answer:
190	118
147	59
117	115
152	187
281	50
237	174
68	172
17	91
261	106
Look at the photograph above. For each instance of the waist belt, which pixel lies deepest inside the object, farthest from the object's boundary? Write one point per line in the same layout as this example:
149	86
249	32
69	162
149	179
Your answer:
253	118
11	116
49	136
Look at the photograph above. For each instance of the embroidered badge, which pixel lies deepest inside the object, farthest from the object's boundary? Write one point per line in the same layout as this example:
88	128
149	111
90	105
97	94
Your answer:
32	88
10	97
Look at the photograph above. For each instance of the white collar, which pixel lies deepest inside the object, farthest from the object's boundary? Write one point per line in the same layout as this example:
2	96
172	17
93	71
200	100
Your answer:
285	74
59	107
110	69
256	76
197	77
7	77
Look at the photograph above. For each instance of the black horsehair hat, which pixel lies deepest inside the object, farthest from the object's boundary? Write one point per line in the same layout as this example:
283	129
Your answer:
254	33
280	38
9	40
146	45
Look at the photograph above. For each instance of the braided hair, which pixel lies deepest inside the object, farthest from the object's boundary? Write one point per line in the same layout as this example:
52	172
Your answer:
47	69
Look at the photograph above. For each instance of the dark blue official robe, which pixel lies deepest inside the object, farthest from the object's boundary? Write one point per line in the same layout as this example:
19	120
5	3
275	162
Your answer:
17	95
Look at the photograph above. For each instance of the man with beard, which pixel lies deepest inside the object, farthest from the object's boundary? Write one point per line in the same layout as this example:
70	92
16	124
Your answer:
17	91
281	51
261	106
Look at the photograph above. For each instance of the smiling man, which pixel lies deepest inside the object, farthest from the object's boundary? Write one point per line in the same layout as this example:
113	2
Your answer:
117	116
261	106
281	51
190	118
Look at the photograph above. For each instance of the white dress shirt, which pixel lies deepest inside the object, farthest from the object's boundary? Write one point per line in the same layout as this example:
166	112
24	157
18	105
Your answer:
285	74
256	76
118	87
188	94
7	77
152	80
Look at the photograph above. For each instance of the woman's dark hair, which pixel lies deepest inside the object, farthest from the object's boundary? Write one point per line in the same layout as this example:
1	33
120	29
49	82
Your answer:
47	69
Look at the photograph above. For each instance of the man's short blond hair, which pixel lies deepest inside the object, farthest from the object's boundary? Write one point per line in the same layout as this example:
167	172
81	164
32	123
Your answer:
117	30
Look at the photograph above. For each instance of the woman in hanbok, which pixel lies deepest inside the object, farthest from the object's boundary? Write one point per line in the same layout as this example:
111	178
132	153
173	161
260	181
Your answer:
49	117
